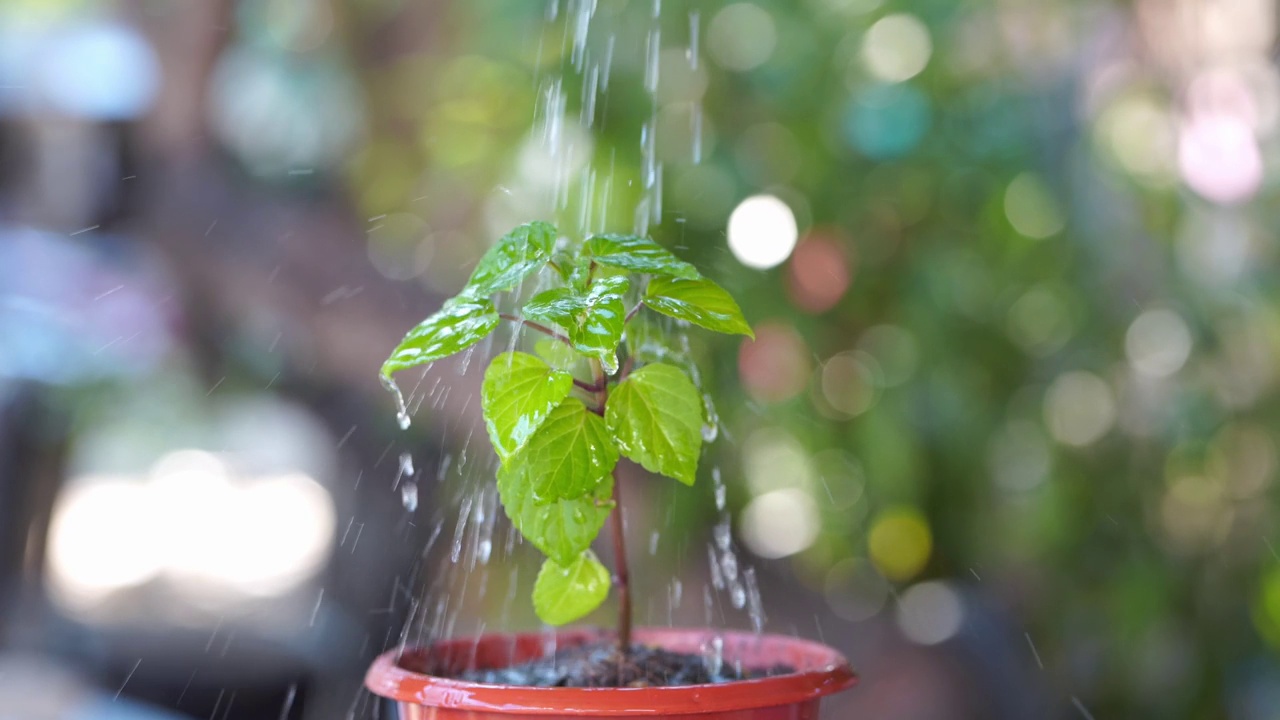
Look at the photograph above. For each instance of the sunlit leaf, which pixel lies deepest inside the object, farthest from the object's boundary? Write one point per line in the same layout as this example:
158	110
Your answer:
560	529
518	394
593	320
565	592
656	417
558	355
518	254
638	254
701	302
461	323
567	458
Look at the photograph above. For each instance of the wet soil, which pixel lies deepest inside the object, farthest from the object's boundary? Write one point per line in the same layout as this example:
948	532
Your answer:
598	665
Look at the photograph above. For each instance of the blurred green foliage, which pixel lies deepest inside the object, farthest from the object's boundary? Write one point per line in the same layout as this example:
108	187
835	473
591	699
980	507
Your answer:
1026	335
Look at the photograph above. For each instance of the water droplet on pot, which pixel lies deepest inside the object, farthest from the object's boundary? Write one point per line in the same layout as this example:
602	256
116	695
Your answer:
713	655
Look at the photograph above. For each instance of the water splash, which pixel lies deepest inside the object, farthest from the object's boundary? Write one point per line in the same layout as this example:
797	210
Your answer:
713	655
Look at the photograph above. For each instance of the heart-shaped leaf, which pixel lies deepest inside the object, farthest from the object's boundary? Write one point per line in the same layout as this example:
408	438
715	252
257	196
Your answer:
656	418
565	592
567	458
562	528
638	254
518	394
461	323
593	320
518	254
701	302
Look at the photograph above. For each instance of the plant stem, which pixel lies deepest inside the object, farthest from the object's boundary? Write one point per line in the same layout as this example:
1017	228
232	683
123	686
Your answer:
535	326
620	570
622	577
634	311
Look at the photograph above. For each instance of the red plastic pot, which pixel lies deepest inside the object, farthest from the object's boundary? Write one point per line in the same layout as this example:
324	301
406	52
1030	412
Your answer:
820	671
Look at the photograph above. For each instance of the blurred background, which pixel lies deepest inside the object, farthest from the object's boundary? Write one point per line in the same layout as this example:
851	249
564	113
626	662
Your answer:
1005	435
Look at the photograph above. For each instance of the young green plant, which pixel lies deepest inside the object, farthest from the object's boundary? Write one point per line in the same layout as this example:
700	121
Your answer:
560	424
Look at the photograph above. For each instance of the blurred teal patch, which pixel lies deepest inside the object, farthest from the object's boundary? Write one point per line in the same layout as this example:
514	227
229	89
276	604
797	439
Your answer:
887	121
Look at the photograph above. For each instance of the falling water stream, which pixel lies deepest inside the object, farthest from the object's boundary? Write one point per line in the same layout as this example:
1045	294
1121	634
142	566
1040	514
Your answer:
472	564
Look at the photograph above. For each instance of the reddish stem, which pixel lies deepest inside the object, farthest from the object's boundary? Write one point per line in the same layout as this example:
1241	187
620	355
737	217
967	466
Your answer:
621	576
535	326
634	311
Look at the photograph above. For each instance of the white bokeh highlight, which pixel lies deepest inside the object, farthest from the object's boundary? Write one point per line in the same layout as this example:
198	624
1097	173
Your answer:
762	232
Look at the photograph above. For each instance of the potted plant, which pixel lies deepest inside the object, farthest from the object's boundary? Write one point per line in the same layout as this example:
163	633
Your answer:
559	425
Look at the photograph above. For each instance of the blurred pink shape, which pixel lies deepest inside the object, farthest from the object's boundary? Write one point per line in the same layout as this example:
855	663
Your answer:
1219	157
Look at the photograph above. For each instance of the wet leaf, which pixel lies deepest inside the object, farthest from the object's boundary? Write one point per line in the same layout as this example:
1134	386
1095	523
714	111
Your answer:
518	394
593	320
638	254
461	323
518	254
560	529
567	458
701	302
558	355
565	592
655	416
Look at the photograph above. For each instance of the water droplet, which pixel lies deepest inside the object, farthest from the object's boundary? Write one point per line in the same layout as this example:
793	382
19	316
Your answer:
653	543
402	411
713	655
755	607
738	595
717	580
677	592
720	497
710	432
406	464
729	566
409	495
723	535
483	551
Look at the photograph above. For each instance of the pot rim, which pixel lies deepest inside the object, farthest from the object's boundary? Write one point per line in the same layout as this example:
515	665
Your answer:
828	672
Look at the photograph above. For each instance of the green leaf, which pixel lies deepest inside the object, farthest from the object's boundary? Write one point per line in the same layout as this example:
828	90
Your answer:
565	592
655	416
593	320
558	355
560	529
701	302
567	458
518	394
518	254
461	323
638	254
557	489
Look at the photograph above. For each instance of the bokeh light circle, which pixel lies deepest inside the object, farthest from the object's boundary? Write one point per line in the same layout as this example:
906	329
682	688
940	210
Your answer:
762	232
900	542
741	36
1158	343
896	48
930	613
780	523
1079	408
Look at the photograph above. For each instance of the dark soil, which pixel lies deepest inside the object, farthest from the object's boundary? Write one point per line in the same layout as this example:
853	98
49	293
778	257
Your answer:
598	666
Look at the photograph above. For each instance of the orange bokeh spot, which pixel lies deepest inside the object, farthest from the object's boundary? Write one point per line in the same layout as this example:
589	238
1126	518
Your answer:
775	366
819	273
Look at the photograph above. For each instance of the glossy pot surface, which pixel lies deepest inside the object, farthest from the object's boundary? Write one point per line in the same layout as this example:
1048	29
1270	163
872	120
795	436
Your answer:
820	671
